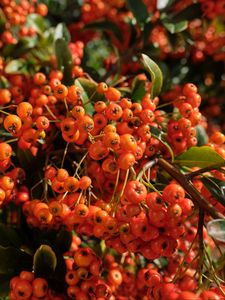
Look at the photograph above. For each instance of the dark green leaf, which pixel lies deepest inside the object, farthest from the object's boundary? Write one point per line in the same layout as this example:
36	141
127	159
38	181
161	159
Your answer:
4	83
160	135
63	240
2	20
216	187
201	157
106	25
88	90
175	27
61	32
36	21
191	12
139	10
44	262
202	136
16	66
216	228
9	237
13	260
64	60
156	75
26	158
138	90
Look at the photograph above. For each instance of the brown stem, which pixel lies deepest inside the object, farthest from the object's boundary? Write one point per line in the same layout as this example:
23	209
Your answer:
197	198
203	170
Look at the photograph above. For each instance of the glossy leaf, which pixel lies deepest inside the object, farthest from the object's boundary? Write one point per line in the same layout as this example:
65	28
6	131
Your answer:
16	66
189	13
201	157
156	75
44	262
201	135
163	4
139	10
216	187
175	27
61	32
13	260
138	90
106	25
216	228
87	89
160	135
36	21
64	60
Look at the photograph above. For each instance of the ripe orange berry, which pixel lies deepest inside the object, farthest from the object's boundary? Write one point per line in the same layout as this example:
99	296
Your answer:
112	94
12	123
5	151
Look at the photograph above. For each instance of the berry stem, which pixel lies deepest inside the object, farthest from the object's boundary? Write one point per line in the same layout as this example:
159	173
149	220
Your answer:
201	171
197	198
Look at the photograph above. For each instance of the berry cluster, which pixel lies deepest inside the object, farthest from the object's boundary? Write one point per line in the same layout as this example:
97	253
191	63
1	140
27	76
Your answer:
15	16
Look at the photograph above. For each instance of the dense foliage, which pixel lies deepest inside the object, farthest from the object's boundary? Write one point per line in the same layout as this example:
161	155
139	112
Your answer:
112	150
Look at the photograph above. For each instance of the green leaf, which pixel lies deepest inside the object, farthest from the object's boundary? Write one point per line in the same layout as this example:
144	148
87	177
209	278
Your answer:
44	262
139	10
156	75
9	237
61	32
2	20
64	60
164	4
201	135
13	260
63	240
88	90
175	27
16	66
216	187
201	157
106	25
138	90
216	228
4	83
189	13
36	21
26	158
160	135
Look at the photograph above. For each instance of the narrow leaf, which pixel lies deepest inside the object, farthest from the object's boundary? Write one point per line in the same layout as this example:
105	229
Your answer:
216	228
61	32
36	21
64	60
139	10
201	135
216	187
160	135
201	157
106	25
156	75
44	262
138	90
176	27
15	66
87	89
